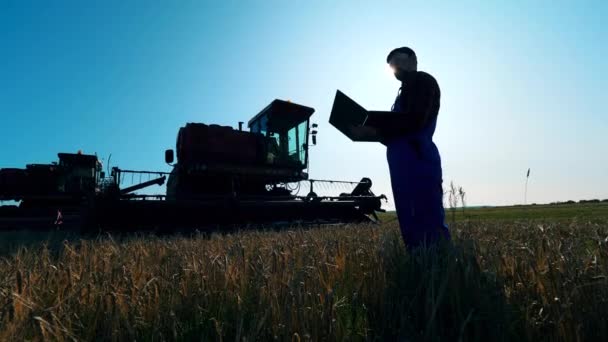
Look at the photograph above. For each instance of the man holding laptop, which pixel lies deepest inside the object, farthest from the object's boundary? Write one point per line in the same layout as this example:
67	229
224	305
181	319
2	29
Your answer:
413	159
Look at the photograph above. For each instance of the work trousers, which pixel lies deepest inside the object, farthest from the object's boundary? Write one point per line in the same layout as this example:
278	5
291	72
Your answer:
416	179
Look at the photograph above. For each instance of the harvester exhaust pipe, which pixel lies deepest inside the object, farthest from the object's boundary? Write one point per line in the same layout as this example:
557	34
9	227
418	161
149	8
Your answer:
157	181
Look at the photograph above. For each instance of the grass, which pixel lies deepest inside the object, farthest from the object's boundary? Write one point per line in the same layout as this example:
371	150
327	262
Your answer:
588	211
504	278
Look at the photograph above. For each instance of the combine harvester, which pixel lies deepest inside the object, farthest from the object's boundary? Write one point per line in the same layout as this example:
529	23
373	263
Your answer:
222	177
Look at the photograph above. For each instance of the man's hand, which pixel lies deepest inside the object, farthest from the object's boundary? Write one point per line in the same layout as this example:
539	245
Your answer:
362	132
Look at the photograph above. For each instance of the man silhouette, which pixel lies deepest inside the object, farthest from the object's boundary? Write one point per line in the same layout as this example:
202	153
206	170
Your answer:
413	158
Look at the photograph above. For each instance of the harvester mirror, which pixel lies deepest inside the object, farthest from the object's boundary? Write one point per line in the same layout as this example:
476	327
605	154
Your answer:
169	156
314	135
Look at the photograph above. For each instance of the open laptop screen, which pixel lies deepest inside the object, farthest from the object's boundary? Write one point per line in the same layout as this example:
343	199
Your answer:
345	113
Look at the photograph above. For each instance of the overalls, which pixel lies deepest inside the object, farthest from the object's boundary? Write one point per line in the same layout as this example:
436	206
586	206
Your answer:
416	179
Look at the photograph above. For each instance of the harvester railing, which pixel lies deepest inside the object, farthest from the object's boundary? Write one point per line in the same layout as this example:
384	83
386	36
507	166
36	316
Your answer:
133	178
305	190
323	187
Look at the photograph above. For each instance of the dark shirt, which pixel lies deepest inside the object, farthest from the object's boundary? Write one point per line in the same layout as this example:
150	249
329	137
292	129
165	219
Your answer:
417	103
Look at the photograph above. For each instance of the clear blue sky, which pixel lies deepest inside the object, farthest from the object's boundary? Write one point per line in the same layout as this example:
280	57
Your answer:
523	85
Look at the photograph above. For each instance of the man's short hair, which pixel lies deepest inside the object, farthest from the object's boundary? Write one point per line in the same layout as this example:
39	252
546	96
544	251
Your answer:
405	50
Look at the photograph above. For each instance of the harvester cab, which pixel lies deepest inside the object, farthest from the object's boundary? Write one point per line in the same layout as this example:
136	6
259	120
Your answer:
285	127
81	173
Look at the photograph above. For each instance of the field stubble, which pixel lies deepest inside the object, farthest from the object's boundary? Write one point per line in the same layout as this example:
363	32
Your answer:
529	279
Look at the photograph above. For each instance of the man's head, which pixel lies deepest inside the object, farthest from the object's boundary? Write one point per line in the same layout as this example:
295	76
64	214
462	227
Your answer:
402	60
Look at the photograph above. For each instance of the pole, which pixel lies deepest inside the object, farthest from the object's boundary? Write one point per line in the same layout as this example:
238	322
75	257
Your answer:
526	190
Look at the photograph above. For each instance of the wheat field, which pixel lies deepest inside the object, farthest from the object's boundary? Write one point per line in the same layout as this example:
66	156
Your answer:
538	278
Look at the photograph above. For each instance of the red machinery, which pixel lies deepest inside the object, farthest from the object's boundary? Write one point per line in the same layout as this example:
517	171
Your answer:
222	176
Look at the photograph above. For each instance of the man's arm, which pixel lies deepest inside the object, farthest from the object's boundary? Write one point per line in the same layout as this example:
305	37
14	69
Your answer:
363	132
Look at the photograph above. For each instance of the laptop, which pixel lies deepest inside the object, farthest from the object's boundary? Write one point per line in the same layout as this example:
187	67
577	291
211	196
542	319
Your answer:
346	113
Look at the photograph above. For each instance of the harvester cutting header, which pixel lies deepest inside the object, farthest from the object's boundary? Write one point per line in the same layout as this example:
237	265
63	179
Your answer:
221	176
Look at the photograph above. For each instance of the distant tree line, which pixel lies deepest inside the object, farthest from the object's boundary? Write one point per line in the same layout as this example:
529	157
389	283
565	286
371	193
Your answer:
581	201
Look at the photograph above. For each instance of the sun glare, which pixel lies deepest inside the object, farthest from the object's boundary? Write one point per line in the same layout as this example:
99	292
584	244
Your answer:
389	71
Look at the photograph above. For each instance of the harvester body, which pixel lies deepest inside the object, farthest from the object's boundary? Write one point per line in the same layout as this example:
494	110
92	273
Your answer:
219	160
221	176
73	177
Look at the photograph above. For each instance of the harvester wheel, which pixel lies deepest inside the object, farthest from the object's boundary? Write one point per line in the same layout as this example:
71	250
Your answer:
312	197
